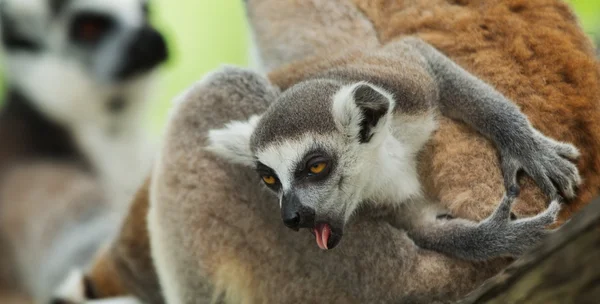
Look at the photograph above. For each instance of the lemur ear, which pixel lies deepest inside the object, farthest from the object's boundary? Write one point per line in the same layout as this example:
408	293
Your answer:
361	109
232	142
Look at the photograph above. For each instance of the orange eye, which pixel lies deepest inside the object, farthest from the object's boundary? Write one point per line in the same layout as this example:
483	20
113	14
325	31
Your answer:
269	180
318	168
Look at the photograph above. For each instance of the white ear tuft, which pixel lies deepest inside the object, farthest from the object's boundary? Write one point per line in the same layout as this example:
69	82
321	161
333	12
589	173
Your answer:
233	141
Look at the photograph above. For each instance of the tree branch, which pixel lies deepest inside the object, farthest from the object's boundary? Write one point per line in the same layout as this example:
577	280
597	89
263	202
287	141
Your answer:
565	268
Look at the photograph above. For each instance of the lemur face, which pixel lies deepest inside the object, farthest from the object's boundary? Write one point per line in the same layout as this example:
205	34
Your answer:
64	54
315	147
110	39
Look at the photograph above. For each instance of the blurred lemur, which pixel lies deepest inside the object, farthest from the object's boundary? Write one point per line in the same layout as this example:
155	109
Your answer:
347	135
78	74
73	145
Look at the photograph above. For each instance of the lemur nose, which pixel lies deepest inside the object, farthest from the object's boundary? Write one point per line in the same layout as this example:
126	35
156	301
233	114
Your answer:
294	214
293	221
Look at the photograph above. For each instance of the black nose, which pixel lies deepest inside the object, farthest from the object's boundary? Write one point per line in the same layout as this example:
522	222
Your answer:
146	50
294	214
292	221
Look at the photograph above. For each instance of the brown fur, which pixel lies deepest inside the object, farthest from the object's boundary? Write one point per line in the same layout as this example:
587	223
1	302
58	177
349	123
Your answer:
129	256
532	51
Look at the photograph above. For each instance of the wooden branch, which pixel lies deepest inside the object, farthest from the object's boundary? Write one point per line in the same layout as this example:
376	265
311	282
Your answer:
565	268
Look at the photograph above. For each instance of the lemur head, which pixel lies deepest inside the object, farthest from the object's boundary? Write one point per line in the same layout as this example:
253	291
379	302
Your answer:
318	148
66	55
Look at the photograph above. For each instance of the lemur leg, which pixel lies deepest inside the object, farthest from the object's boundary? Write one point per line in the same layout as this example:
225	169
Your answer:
496	236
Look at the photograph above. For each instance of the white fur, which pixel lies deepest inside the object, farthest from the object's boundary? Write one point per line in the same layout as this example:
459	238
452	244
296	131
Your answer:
161	252
72	288
283	156
120	300
414	131
233	141
390	173
26	7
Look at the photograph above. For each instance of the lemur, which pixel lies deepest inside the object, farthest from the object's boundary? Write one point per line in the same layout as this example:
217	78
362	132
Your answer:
217	237
73	143
78	75
350	135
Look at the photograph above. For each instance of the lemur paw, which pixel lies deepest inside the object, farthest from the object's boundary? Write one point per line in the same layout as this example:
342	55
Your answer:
547	161
514	237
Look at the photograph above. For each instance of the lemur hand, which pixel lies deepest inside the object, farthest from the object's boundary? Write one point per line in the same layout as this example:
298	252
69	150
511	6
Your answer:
546	161
514	237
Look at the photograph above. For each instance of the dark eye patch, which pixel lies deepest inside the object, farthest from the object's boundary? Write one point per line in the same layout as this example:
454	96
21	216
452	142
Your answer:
12	39
88	28
316	155
264	170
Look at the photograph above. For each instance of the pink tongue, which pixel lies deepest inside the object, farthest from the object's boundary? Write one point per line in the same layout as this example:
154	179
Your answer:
322	233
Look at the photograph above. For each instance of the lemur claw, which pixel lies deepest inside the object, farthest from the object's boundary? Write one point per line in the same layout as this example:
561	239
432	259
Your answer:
547	161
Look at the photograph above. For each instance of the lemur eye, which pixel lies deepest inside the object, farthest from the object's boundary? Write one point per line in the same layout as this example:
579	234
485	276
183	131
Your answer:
89	28
269	179
317	168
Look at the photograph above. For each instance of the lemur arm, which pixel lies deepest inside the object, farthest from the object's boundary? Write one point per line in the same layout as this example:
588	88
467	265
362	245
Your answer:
496	236
464	97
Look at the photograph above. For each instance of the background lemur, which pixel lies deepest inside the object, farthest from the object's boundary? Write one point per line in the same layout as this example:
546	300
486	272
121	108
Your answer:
221	235
73	145
347	135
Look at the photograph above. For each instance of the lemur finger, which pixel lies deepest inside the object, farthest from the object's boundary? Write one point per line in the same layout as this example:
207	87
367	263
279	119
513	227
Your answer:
574	173
569	170
502	212
563	181
567	150
543	219
541	178
510	168
553	210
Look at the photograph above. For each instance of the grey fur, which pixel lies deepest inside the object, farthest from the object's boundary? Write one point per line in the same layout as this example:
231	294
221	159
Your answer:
495	236
287	113
421	81
465	97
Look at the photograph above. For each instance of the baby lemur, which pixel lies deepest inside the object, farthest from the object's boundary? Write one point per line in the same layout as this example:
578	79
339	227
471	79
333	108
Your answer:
350	134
